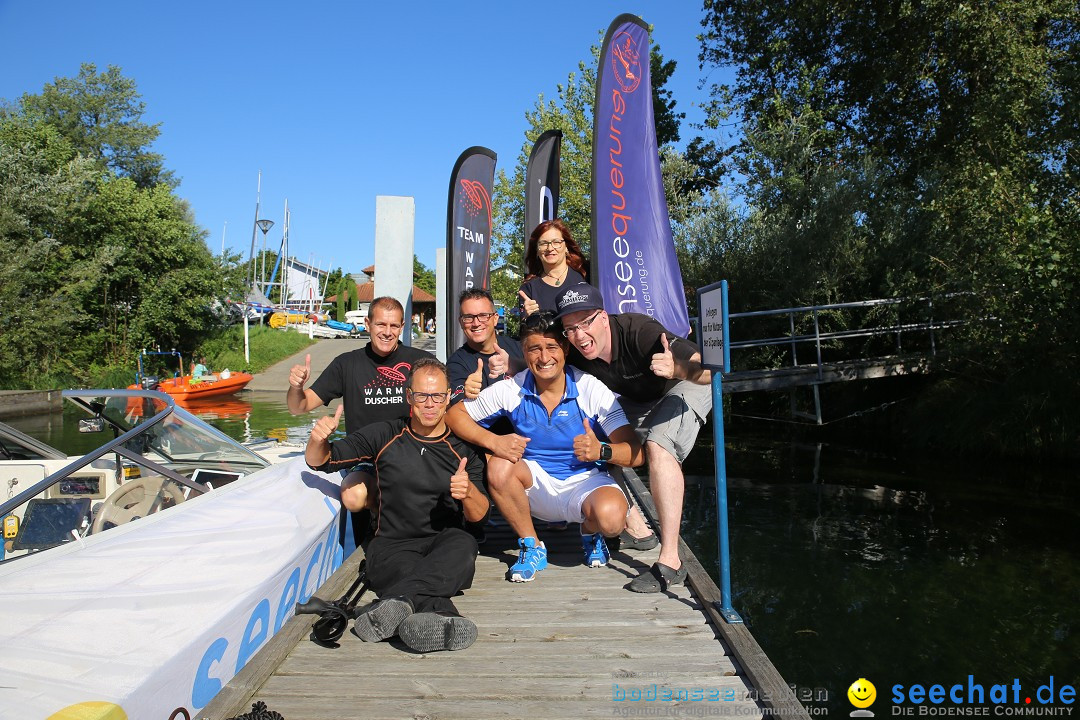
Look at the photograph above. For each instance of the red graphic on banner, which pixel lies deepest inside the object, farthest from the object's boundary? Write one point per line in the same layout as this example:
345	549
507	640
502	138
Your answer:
474	197
626	62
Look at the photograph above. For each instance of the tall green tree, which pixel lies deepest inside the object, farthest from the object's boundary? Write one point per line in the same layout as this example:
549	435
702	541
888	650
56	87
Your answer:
40	181
912	148
423	276
100	114
155	279
103	258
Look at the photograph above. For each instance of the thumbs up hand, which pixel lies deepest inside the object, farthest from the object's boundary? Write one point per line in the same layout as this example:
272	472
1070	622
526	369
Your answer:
587	445
327	425
527	303
663	363
475	382
499	363
299	374
459	482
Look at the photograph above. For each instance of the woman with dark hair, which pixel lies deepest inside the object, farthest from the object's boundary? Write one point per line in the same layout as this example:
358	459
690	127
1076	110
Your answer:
554	261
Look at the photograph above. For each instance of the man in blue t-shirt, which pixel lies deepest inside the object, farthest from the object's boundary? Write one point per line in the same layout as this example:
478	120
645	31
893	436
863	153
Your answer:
566	425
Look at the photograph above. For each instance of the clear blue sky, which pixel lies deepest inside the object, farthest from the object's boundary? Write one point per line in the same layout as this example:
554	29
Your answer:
334	103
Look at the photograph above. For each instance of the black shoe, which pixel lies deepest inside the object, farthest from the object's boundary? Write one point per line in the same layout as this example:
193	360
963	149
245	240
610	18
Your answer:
629	542
658	578
380	619
427	632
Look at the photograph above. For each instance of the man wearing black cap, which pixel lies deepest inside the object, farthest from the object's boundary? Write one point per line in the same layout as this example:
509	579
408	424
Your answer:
665	392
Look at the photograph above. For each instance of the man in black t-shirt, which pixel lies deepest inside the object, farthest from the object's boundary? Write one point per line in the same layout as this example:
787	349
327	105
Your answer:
423	487
370	382
486	357
666	394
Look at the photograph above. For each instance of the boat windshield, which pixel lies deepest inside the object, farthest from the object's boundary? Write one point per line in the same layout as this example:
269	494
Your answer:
153	456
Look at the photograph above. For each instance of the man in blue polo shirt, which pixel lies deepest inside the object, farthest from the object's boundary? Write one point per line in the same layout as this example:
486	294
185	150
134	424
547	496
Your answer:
567	425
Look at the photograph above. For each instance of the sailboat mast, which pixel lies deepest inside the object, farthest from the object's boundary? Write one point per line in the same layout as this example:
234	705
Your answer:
254	232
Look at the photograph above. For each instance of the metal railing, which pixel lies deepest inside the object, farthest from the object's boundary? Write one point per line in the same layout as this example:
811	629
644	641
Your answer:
923	306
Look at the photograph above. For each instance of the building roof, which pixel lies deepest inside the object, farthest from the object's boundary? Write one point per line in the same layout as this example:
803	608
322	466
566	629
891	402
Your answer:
304	267
367	294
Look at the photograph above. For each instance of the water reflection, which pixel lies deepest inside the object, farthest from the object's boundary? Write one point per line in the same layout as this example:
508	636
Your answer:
847	566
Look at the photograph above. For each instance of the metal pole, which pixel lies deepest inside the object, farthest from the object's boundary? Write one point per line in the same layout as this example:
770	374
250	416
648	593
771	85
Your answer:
725	606
817	341
933	345
794	355
254	230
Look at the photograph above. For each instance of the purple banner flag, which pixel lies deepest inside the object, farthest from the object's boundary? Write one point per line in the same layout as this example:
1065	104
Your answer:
542	182
633	256
468	234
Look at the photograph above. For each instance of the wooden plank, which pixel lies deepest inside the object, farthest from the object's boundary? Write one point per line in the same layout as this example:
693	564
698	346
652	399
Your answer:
243	685
425	684
333	708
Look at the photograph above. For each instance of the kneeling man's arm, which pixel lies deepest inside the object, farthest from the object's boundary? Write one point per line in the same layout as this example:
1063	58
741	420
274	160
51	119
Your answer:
625	448
508	447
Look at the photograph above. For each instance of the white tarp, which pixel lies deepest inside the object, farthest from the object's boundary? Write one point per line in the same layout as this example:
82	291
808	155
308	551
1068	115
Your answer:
156	616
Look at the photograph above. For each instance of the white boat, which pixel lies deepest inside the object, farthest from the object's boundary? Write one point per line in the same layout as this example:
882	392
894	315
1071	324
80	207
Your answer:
140	577
319	331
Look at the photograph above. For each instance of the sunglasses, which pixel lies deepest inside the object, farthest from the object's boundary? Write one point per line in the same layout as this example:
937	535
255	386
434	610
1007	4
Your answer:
540	321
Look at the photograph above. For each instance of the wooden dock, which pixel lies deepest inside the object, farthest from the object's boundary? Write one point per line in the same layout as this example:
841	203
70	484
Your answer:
813	374
571	644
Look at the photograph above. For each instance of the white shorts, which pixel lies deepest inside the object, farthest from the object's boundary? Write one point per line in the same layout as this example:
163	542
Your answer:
561	500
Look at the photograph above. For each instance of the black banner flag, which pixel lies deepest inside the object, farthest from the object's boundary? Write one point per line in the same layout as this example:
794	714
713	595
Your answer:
542	181
468	234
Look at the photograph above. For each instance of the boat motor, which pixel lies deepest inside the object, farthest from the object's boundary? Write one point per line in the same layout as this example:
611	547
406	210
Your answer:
334	615
150	382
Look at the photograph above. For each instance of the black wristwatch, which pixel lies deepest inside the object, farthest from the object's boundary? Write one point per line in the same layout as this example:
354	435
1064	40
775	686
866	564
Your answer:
605	452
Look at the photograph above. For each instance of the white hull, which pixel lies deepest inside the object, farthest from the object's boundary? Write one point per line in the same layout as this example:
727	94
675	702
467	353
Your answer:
159	614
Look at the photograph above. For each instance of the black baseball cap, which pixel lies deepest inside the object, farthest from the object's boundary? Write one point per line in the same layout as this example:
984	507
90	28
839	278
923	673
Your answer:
582	296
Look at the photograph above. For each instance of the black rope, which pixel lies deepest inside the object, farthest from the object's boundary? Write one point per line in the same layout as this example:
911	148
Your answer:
259	711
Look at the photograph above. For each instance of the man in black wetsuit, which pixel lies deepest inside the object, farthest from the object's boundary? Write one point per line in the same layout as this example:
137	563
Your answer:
423	487
370	382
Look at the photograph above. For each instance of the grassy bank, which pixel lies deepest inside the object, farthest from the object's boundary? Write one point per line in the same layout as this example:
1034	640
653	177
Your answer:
267	347
224	350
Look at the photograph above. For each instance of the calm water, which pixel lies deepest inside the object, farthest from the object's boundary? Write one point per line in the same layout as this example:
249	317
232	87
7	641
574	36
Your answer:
847	565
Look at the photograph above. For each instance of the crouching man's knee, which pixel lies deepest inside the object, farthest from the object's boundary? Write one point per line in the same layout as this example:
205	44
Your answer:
500	473
356	491
606	510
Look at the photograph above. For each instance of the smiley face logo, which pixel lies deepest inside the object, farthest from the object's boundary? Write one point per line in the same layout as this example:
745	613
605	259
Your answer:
862	693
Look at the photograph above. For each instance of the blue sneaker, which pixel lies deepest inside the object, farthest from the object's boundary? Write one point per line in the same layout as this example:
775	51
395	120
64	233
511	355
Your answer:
596	550
532	558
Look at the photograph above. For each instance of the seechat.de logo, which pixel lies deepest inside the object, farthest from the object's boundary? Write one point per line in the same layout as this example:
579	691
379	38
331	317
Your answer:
862	694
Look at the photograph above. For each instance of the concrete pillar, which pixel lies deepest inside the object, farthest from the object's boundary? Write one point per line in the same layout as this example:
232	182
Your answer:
395	218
